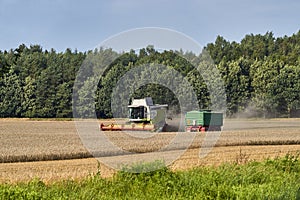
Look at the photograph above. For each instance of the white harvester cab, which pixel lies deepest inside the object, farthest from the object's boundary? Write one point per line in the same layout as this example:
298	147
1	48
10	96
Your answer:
143	110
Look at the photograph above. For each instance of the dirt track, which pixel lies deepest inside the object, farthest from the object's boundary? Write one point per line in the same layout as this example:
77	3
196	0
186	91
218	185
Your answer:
36	138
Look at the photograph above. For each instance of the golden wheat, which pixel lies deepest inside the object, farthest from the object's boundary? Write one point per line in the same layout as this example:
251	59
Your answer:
27	140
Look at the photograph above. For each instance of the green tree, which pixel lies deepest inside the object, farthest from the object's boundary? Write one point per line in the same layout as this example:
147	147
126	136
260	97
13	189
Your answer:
29	103
265	75
11	96
236	75
288	88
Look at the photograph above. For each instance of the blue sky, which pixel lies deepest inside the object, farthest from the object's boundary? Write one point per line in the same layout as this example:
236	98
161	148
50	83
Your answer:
82	24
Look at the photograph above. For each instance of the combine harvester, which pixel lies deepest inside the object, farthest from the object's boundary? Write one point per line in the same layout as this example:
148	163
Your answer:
143	116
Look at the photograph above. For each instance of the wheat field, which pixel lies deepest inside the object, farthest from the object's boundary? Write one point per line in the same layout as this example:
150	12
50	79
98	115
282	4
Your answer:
61	155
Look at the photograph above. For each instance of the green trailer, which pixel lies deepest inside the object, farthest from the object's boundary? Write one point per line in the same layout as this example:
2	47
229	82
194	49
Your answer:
203	120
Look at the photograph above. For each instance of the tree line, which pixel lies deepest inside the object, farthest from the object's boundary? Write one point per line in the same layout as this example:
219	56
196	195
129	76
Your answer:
261	76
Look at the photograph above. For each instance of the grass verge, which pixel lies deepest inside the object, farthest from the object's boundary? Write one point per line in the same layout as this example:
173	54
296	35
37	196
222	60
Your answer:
271	179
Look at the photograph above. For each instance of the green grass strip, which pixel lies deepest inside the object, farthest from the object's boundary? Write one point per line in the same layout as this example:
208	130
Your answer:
271	179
